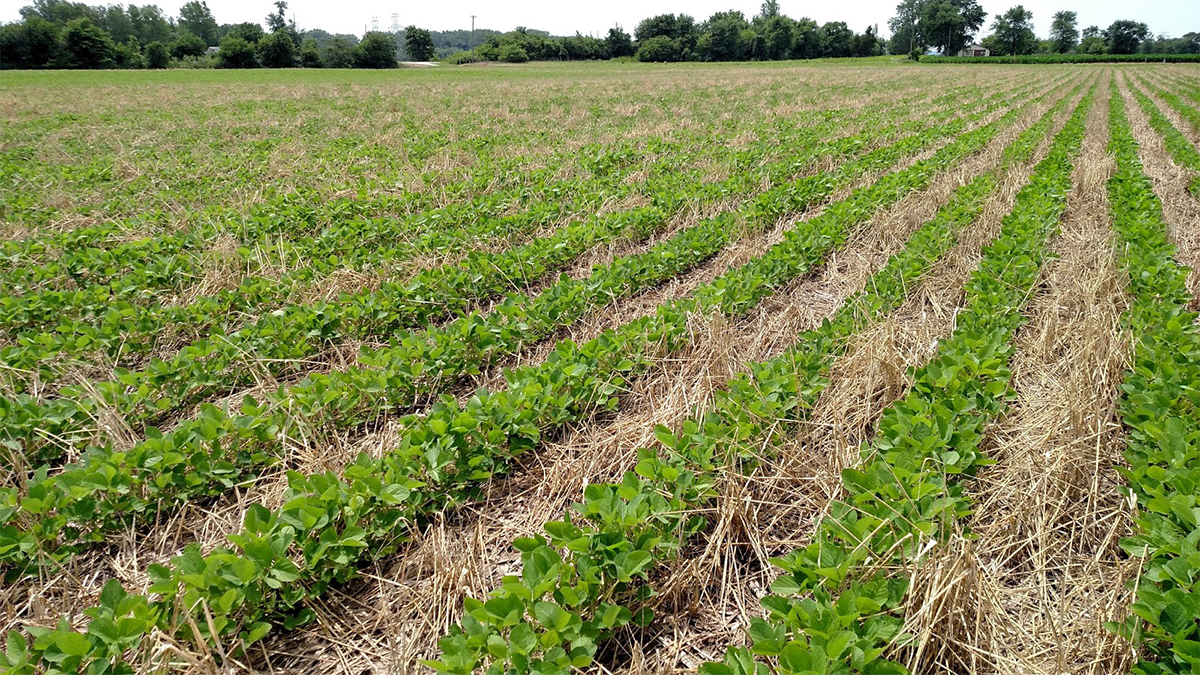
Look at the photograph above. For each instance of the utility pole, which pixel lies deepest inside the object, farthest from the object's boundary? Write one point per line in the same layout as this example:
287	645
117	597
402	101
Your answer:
472	32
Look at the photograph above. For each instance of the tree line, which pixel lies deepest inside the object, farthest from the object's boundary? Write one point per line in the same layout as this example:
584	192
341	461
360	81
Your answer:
950	25
65	34
725	36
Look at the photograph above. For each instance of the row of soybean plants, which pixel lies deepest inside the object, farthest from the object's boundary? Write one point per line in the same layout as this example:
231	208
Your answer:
331	524
201	162
54	514
126	330
1160	408
122	298
1182	151
833	608
1175	96
223	362
88	281
103	253
589	575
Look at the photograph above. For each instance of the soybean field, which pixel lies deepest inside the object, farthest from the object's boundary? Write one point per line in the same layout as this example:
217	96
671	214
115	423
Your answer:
737	369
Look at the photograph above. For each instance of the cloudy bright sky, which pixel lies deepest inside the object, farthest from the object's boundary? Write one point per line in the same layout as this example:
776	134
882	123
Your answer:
1172	17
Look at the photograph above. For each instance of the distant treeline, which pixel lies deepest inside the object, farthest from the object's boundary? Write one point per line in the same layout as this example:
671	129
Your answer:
725	36
1034	59
64	34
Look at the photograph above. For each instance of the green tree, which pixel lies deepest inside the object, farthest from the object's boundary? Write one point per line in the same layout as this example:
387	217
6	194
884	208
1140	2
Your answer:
778	37
724	32
1014	30
310	54
32	43
250	32
905	27
513	53
1093	42
157	56
128	54
278	22
681	29
619	43
418	43
950	24
149	24
236	53
658	49
188	45
277	50
808	40
377	50
117	24
85	45
1124	36
62	12
1064	32
769	9
866	44
197	19
339	53
838	40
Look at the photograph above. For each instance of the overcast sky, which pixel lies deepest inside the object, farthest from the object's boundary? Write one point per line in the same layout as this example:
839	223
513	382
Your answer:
1172	17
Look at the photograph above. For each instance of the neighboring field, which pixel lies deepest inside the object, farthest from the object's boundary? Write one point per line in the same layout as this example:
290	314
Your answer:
619	369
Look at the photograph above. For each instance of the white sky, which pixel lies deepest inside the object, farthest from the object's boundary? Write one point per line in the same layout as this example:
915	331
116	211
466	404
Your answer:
1172	17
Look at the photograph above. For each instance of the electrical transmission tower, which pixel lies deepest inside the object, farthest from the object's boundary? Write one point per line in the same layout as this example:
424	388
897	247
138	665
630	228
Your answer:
395	28
375	24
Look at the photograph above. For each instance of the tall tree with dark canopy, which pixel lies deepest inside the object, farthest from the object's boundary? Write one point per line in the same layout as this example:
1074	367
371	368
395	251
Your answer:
377	50
1014	31
236	53
725	42
33	43
149	24
1124	36
619	43
187	45
195	18
157	56
906	35
808	40
278	23
1064	32
85	45
277	50
418	44
838	40
250	32
950	25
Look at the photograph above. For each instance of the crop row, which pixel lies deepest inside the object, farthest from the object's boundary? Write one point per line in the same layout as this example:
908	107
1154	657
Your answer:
833	608
206	455
1161	410
1182	150
88	281
226	362
1189	112
101	254
552	617
329	524
124	330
